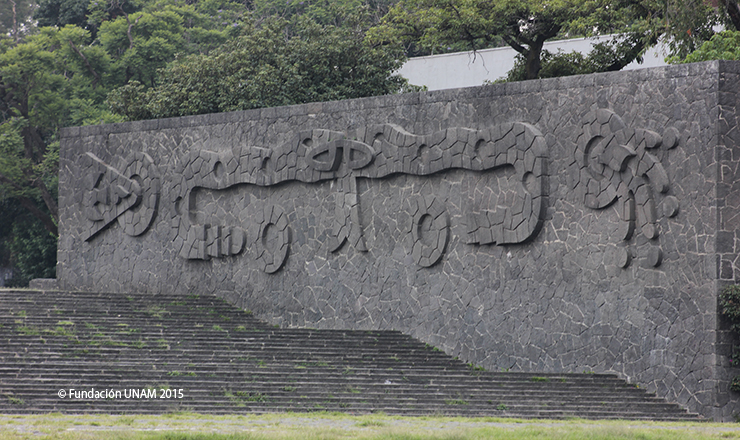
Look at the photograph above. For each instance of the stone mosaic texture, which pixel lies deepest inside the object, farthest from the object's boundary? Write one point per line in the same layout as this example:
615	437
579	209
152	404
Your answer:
564	225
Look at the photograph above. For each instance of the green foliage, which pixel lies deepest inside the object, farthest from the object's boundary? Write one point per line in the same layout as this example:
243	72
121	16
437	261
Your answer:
604	57
722	46
525	25
729	305
51	79
61	13
735	384
33	251
429	26
691	23
16	400
735	357
437	26
456	402
142	42
60	76
278	63
681	25
553	65
240	397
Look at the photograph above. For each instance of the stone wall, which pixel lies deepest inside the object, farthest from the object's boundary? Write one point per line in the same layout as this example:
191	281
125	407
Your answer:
565	225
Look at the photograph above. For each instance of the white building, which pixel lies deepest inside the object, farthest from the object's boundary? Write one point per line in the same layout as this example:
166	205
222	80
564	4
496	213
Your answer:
466	69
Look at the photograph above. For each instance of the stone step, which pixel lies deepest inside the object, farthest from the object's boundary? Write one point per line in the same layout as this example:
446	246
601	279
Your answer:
229	362
395	407
449	397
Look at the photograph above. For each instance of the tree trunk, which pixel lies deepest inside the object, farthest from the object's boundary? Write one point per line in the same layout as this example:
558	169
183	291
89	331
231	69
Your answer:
733	10
533	63
16	35
47	221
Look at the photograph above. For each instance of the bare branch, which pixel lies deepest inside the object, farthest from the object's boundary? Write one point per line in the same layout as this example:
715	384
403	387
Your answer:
87	63
16	35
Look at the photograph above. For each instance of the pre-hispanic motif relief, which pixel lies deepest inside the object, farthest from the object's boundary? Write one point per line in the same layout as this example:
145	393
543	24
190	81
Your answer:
130	196
366	153
611	164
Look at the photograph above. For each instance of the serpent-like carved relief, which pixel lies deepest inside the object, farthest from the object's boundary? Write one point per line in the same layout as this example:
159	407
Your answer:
611	164
371	153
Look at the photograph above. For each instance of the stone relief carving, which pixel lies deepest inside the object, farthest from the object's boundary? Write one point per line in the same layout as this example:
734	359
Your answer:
612	164
371	153
130	196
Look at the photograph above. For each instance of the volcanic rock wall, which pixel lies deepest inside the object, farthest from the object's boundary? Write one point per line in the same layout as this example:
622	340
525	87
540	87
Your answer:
564	225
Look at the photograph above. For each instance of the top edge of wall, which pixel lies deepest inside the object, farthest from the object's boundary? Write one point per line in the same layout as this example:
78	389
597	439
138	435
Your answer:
478	92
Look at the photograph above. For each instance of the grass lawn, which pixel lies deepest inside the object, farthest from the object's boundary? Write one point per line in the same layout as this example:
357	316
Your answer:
187	426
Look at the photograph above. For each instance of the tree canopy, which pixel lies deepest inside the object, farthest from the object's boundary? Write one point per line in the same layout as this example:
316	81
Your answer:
525	25
264	67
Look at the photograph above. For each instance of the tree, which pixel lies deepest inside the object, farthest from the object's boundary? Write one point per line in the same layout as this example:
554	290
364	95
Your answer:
60	76
722	46
731	11
323	12
25	245
268	67
61	13
142	42
31	94
525	25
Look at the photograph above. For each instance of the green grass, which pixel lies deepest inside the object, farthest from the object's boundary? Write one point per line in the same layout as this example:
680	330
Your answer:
28	330
456	402
16	400
156	311
245	396
61	330
323	425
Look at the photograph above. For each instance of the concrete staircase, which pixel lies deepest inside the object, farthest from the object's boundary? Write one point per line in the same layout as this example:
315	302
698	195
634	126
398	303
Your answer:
156	354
